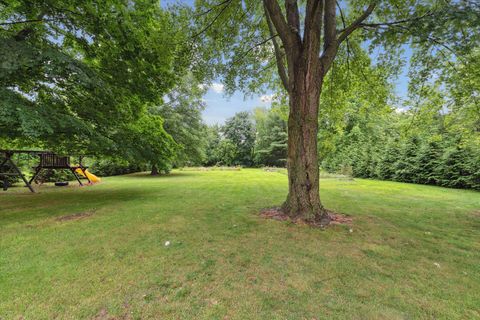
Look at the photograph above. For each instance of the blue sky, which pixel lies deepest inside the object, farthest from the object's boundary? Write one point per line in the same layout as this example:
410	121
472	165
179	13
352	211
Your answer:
220	107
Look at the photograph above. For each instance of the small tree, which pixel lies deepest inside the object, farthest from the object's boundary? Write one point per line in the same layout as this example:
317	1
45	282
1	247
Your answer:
428	161
212	141
240	130
226	153
271	140
455	170
390	156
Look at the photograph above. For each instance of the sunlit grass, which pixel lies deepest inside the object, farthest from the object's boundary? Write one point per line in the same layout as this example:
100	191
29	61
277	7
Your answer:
414	252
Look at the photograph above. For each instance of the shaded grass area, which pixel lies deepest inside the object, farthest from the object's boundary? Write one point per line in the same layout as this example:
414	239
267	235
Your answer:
414	252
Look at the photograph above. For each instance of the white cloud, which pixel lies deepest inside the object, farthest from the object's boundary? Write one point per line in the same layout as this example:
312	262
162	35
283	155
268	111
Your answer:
217	87
266	98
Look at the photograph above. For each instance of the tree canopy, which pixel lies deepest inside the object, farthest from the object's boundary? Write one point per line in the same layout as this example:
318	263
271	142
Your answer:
79	76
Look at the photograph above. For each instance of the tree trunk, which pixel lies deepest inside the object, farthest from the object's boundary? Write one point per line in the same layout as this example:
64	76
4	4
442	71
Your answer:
303	200
301	67
154	170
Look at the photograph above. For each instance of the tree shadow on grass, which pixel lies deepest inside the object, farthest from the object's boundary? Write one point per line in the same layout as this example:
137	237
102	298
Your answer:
20	208
147	175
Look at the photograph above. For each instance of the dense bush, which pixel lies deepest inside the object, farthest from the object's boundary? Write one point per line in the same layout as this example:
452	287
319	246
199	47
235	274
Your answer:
52	175
113	167
9	180
448	162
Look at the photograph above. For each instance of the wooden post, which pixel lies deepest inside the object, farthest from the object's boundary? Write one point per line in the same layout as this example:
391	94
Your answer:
5	177
9	159
37	171
76	176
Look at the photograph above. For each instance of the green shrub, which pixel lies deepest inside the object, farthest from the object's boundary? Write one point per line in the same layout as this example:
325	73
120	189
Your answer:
114	167
10	180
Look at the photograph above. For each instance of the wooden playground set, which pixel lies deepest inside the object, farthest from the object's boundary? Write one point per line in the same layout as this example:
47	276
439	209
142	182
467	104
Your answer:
47	160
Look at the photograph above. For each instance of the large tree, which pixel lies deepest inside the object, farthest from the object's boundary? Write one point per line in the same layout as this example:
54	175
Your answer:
271	138
182	114
240	36
240	130
77	76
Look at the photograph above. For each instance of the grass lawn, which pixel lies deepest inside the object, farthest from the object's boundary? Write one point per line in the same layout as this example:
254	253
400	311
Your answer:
414	252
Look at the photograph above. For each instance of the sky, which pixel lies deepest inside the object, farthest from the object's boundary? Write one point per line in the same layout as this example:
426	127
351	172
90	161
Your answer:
220	107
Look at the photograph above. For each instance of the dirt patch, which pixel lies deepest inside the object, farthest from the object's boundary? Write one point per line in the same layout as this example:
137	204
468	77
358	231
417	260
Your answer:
275	169
338	218
76	216
278	214
476	214
104	315
274	213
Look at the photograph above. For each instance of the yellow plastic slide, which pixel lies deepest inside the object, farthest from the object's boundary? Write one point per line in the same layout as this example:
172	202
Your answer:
93	178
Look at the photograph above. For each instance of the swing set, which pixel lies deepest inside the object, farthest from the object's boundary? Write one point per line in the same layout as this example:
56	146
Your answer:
47	160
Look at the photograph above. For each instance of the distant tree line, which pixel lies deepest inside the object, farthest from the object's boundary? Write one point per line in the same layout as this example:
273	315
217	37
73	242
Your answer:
442	158
434	138
406	146
248	140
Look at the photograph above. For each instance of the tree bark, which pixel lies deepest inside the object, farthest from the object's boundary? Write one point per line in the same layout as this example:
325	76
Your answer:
303	200
306	70
154	171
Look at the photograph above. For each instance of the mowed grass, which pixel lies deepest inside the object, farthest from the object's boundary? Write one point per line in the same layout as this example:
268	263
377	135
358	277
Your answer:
414	252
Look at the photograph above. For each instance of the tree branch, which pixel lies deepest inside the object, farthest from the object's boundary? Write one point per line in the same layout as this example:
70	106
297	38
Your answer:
278	20
278	54
313	25
227	3
393	23
428	37
24	33
346	40
329	20
341	15
330	43
356	24
293	17
211	8
23	21
256	45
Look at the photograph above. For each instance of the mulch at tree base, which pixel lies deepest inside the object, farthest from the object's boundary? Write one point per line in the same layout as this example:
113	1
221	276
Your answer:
278	214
